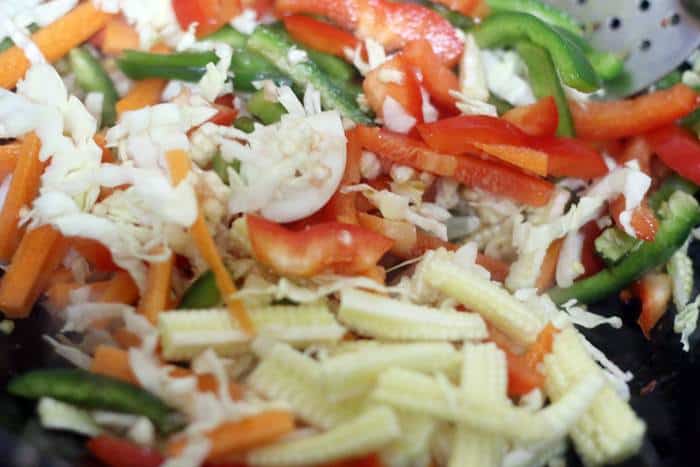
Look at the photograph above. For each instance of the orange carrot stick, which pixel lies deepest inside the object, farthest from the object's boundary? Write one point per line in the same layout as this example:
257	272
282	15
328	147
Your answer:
541	347
121	289
126	338
179	165
54	41
142	94
113	362
23	189
157	289
119	36
8	158
235	437
549	266
39	253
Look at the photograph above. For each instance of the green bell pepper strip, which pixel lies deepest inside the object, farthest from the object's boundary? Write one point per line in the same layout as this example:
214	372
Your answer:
502	29
546	13
91	77
266	111
607	64
228	35
669	80
6	43
202	293
502	105
246	66
220	166
245	124
93	391
683	213
274	46
456	19
335	67
672	184
545	82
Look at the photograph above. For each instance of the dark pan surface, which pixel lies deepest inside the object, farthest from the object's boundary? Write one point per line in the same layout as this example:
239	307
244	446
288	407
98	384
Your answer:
666	392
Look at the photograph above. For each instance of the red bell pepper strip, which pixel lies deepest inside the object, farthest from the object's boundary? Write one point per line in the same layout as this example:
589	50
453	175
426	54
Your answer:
210	15
438	78
320	36
607	120
406	92
591	261
320	247
654	291
472	171
679	150
392	24
457	135
643	221
538	119
116	452
571	158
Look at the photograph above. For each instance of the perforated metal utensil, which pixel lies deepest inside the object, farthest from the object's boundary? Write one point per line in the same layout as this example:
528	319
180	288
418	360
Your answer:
656	36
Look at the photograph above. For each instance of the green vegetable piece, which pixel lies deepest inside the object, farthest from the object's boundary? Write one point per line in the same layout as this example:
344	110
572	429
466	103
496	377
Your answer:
503	29
607	64
670	80
691	122
220	166
614	244
265	110
502	105
335	67
546	13
248	67
6	43
184	66
545	82
245	124
203	293
274	46
228	35
456	19
672	184
679	215
93	391
91	77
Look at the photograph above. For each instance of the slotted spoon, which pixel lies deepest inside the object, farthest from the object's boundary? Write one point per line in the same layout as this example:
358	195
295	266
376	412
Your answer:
656	36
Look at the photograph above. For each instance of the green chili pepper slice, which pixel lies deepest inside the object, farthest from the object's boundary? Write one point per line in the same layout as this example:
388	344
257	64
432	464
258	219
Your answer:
91	77
546	13
93	391
203	293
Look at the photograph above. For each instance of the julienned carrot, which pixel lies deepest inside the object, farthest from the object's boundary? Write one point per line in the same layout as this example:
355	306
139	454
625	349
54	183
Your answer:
23	189
8	158
54	41
113	362
95	253
541	347
119	36
239	436
207	382
120	289
155	298
142	94
126	338
526	158
58	294
179	165
38	255
549	267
